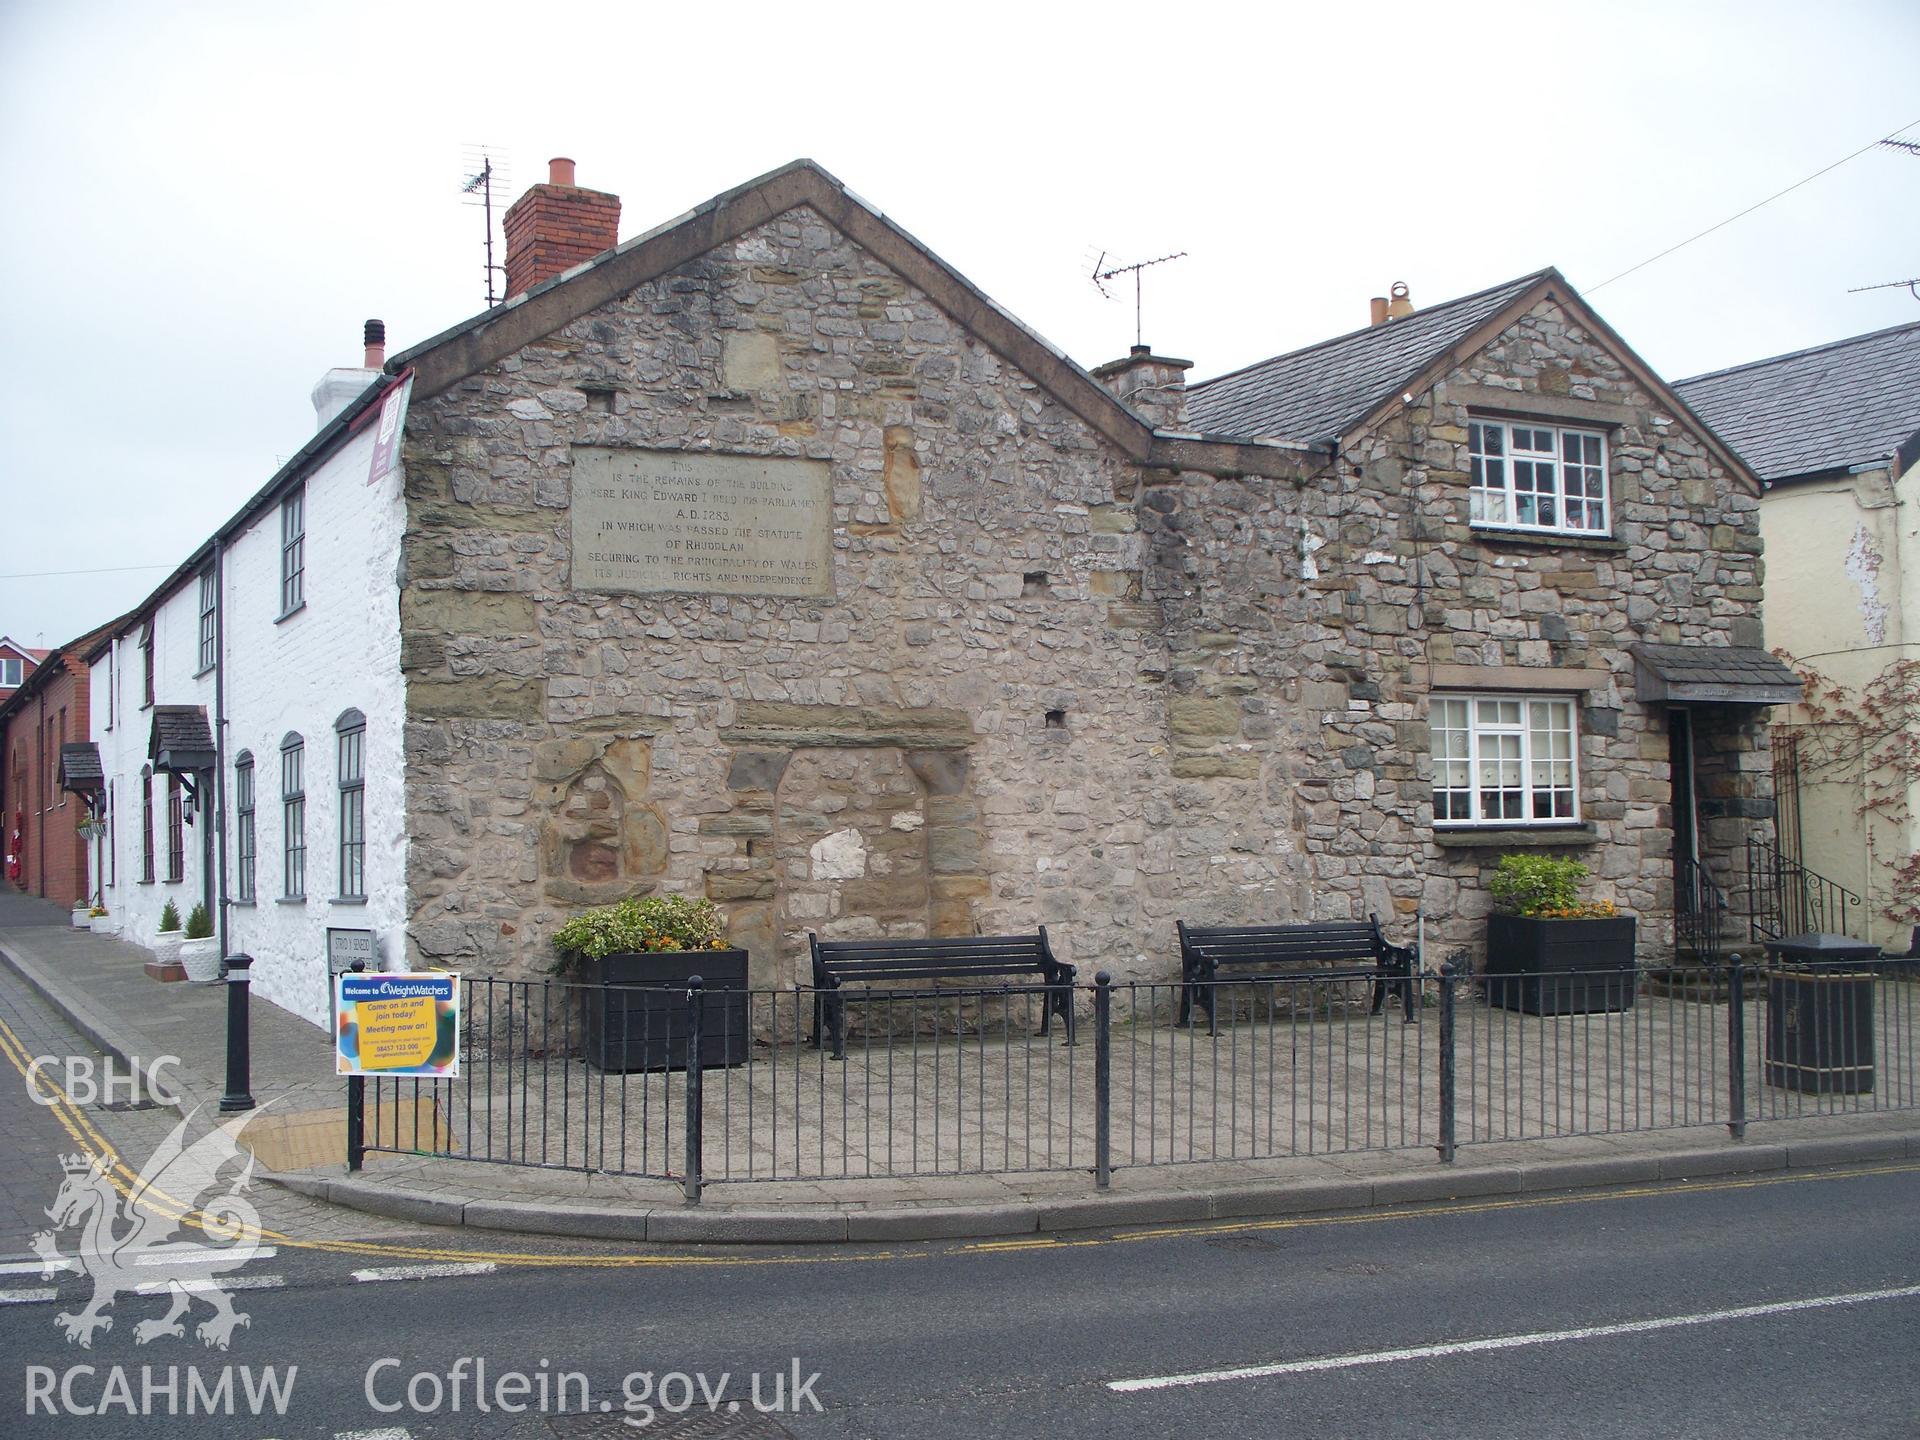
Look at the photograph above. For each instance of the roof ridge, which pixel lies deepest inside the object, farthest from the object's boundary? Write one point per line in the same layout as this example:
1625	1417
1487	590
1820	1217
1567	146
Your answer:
1798	354
1519	281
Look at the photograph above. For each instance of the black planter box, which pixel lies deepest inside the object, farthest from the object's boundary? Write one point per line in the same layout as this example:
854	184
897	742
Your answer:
1820	1032
1560	967
629	1027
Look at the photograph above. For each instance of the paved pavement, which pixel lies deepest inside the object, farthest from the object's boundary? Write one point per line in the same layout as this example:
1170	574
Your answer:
765	1120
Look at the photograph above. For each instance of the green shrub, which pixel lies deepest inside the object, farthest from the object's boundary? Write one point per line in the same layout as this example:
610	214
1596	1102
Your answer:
199	923
1545	887
658	922
170	918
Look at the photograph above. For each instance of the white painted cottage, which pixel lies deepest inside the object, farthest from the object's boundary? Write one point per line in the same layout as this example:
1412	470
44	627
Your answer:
276	647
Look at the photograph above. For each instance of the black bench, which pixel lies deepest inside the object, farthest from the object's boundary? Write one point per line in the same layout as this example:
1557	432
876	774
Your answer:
1325	950
975	958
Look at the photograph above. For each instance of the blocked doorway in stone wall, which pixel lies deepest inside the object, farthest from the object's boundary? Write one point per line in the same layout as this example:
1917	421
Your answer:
850	841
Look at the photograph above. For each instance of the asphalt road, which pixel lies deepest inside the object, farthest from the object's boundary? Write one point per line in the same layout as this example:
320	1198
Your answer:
1587	1315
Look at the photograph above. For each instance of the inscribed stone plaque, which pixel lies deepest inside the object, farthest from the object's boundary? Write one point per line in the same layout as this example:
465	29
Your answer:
646	521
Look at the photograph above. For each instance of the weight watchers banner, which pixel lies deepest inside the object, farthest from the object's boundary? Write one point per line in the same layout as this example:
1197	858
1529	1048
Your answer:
397	1025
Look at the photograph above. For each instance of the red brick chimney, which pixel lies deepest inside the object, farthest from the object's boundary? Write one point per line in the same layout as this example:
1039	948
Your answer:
555	226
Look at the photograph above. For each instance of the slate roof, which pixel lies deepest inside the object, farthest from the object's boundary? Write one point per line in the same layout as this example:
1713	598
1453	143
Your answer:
1320	392
1813	411
1716	672
180	729
80	767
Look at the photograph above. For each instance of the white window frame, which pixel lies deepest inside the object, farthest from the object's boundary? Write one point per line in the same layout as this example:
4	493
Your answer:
247	839
13	672
1514	477
1508	757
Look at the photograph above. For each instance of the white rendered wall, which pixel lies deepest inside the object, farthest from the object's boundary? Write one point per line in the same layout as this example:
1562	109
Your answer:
299	675
122	725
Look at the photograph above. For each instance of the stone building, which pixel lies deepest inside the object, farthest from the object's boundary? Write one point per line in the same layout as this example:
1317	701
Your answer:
763	557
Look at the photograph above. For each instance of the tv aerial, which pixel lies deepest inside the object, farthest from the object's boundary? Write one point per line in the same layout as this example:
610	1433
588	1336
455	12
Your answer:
1102	272
483	172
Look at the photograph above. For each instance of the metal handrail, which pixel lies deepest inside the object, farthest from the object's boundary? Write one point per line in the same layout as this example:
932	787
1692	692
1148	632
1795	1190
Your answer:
1786	898
1699	913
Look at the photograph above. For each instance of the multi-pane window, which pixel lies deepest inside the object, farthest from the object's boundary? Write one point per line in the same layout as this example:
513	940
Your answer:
176	831
1503	760
206	620
146	826
113	837
293	552
293	818
1538	477
353	814
246	845
11	668
146	663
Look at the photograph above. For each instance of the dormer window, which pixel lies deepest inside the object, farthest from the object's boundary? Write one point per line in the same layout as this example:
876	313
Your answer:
1528	476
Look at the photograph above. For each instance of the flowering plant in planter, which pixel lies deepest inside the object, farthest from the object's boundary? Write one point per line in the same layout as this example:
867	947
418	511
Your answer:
1549	951
637	957
1544	887
638	926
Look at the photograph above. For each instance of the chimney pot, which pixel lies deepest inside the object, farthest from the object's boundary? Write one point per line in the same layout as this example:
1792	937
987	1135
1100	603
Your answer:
560	171
376	345
1401	305
1377	310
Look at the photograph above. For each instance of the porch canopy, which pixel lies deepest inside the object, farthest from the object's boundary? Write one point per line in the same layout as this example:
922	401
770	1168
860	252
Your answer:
1713	675
80	768
181	742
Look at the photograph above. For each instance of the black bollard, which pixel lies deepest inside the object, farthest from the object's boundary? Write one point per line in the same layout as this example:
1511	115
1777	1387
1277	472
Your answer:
239	1045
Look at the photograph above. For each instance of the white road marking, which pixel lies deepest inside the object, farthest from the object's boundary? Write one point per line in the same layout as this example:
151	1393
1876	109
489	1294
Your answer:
1510	1342
26	1297
425	1272
35	1267
232	1282
192	1254
392	1432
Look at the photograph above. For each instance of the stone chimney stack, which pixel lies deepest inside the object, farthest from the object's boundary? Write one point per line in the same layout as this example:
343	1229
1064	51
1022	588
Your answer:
1153	386
340	385
555	226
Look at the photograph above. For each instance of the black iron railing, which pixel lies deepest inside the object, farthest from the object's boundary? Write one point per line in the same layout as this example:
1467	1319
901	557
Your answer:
1786	898
1699	915
962	1082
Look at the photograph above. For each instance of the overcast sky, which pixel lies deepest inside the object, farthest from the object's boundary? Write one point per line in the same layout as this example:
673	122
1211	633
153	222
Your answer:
206	201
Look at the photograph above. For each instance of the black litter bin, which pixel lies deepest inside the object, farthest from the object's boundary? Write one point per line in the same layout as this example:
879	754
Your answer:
1820	1015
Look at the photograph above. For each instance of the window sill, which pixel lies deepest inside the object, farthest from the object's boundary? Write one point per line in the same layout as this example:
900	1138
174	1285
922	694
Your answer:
1550	540
1517	837
291	900
242	904
204	670
348	900
285	615
143	882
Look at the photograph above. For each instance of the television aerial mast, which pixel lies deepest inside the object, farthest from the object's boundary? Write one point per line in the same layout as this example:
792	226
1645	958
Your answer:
1102	272
483	172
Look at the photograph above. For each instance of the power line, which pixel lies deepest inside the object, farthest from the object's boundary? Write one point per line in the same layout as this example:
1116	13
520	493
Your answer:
1872	144
108	570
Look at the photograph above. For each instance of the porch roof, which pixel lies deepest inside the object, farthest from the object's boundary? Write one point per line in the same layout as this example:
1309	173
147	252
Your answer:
182	741
80	768
1714	675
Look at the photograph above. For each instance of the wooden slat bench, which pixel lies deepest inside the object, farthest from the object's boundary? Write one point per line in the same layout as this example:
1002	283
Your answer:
979	960
1324	950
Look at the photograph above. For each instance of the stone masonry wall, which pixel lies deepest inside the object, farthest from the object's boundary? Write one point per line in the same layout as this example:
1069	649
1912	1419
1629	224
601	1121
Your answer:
1051	685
